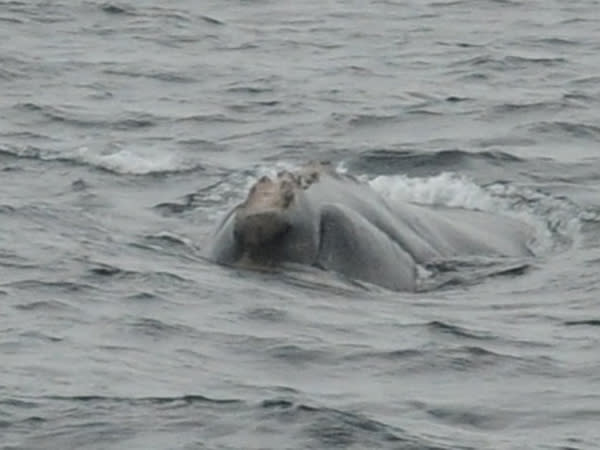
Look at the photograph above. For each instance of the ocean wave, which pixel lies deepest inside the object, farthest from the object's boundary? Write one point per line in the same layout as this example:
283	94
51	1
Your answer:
560	129
72	116
171	77
123	162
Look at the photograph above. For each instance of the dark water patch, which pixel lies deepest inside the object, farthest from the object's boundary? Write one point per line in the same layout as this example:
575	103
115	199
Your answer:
588	81
164	248
165	239
457	273
106	270
583	322
112	8
10	20
145	297
330	428
460	416
19	403
296	355
457	99
168	209
512	108
170	77
365	120
79	185
503	142
417	162
45	305
561	128
510	62
447	4
261	86
456	331
70	116
468	358
211	118
266	314
211	20
522	61
159	329
556	42
422	112
258	106
452	360
169	13
460	44
276	403
65	287
39	336
26	136
7	209
114	272
175	401
385	356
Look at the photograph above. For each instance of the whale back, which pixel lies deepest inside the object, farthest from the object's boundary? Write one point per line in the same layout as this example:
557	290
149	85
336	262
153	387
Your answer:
316	216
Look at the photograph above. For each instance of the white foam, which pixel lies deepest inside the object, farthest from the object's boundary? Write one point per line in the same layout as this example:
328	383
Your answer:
446	189
131	162
555	221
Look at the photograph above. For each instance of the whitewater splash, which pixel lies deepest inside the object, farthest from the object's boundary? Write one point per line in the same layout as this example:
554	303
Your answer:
556	221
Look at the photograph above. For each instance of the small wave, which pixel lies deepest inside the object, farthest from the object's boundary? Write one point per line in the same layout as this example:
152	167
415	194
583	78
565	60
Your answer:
111	8
145	297
511	108
159	328
508	62
588	322
175	401
171	77
455	330
461	416
560	129
44	305
132	163
210	118
266	314
58	286
166	239
450	273
294	354
385	161
10	20
366	120
106	270
212	20
324	427
71	116
39	336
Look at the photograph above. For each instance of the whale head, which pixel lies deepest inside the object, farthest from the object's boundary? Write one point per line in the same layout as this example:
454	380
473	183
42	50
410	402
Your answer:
276	222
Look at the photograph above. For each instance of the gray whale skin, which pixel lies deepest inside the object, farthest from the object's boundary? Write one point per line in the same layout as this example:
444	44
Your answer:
316	216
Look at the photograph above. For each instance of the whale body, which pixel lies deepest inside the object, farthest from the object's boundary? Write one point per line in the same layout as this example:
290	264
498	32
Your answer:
316	216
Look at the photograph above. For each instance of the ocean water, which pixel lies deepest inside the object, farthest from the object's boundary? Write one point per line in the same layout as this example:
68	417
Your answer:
127	129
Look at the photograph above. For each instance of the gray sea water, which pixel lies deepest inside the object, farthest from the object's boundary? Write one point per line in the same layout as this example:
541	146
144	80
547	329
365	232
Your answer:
127	129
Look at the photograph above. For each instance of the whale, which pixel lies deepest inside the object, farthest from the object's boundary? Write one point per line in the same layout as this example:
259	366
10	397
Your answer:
316	216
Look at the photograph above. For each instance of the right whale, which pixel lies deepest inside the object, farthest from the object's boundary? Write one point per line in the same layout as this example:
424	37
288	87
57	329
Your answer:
318	217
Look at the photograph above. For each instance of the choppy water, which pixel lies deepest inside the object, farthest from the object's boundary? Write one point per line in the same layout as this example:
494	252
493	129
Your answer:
128	128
